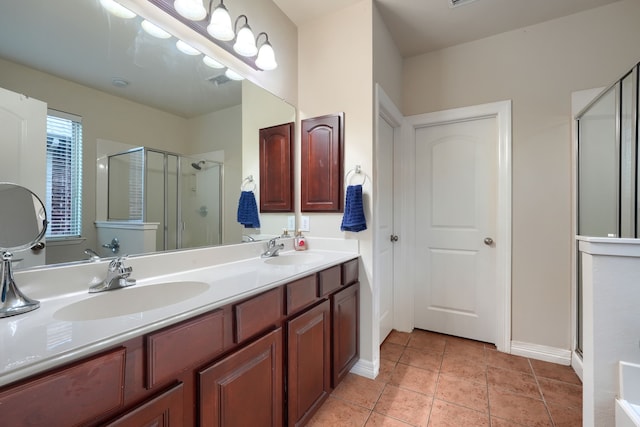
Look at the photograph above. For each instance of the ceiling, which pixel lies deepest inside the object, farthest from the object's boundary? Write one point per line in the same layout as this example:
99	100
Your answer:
52	39
421	26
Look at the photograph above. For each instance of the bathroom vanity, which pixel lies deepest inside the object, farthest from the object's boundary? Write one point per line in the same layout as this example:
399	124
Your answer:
256	342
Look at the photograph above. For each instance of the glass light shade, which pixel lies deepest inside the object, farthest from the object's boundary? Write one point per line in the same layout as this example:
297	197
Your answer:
154	30
117	9
245	43
187	49
266	57
212	62
233	75
191	9
220	25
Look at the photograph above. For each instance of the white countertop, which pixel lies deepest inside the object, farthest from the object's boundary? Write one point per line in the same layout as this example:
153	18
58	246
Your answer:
36	341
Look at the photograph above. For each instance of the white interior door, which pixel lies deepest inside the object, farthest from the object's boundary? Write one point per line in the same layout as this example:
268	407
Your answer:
455	213
23	144
384	226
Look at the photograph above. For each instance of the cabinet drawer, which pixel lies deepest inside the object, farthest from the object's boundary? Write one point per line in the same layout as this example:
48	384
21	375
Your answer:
179	347
329	280
350	272
301	293
257	314
71	396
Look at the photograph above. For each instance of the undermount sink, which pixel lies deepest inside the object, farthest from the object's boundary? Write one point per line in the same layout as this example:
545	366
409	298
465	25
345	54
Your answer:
294	259
130	300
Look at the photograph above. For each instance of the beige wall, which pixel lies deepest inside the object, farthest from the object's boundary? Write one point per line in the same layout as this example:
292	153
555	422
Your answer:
537	67
387	62
335	75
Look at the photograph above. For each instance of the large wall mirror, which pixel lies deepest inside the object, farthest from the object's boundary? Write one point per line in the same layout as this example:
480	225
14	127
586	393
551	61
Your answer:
133	90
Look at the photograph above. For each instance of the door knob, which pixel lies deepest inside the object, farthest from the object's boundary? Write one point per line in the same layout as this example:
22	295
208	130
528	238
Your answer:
488	241
393	238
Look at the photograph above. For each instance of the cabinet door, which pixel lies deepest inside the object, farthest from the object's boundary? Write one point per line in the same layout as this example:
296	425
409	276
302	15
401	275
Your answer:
164	410
321	164
276	168
245	388
345	329
309	364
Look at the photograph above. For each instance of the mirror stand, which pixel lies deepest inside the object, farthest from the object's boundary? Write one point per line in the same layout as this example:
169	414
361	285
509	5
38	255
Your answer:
12	301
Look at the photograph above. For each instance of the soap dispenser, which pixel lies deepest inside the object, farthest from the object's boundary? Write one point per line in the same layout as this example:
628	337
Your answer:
300	243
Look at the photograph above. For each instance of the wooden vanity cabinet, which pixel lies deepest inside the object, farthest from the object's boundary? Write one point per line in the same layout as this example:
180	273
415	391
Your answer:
246	387
269	360
164	410
345	314
309	363
76	394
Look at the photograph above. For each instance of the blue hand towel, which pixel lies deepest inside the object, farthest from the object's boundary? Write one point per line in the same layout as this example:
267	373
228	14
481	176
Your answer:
353	219
248	210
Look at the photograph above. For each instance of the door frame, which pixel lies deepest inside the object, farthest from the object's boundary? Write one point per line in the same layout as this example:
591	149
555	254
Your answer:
501	111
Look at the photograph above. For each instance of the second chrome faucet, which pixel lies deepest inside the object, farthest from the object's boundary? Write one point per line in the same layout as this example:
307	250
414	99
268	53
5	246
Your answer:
272	248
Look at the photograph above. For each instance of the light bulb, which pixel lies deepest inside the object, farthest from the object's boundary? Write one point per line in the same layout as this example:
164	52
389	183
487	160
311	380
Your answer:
245	42
186	48
191	9
212	62
220	25
154	30
266	57
233	75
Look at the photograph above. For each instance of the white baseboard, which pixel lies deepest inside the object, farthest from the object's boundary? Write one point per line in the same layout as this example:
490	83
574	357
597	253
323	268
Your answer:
366	368
576	364
541	352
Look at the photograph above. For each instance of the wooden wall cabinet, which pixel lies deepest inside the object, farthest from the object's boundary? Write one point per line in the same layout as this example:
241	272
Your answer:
276	168
321	169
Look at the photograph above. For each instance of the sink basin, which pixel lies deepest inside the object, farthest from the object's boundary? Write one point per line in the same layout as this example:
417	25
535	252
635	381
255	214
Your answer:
130	300
294	259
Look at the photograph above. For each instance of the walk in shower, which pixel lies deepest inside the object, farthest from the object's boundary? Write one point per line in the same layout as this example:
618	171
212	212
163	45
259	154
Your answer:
608	202
183	195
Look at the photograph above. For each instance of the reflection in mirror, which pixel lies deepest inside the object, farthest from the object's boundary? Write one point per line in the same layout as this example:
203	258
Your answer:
24	222
134	90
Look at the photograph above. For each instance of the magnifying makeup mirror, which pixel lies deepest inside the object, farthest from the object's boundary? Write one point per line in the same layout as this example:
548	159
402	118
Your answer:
24	223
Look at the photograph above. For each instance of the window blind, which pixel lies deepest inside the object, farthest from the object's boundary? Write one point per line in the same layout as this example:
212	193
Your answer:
64	174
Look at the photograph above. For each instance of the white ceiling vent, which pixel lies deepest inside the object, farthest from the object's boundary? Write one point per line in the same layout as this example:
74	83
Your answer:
456	3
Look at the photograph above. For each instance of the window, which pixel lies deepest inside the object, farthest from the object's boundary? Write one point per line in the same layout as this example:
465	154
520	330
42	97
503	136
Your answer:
64	175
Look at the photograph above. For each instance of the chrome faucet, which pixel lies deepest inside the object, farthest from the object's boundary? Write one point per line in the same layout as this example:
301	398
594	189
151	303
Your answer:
272	248
93	255
117	277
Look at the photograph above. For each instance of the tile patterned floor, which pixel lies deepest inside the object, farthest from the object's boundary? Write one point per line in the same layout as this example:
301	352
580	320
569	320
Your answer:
429	379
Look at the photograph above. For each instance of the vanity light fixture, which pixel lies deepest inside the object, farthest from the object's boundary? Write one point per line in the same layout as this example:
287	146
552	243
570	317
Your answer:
186	48
191	9
210	62
153	30
233	75
245	43
117	9
266	57
220	24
